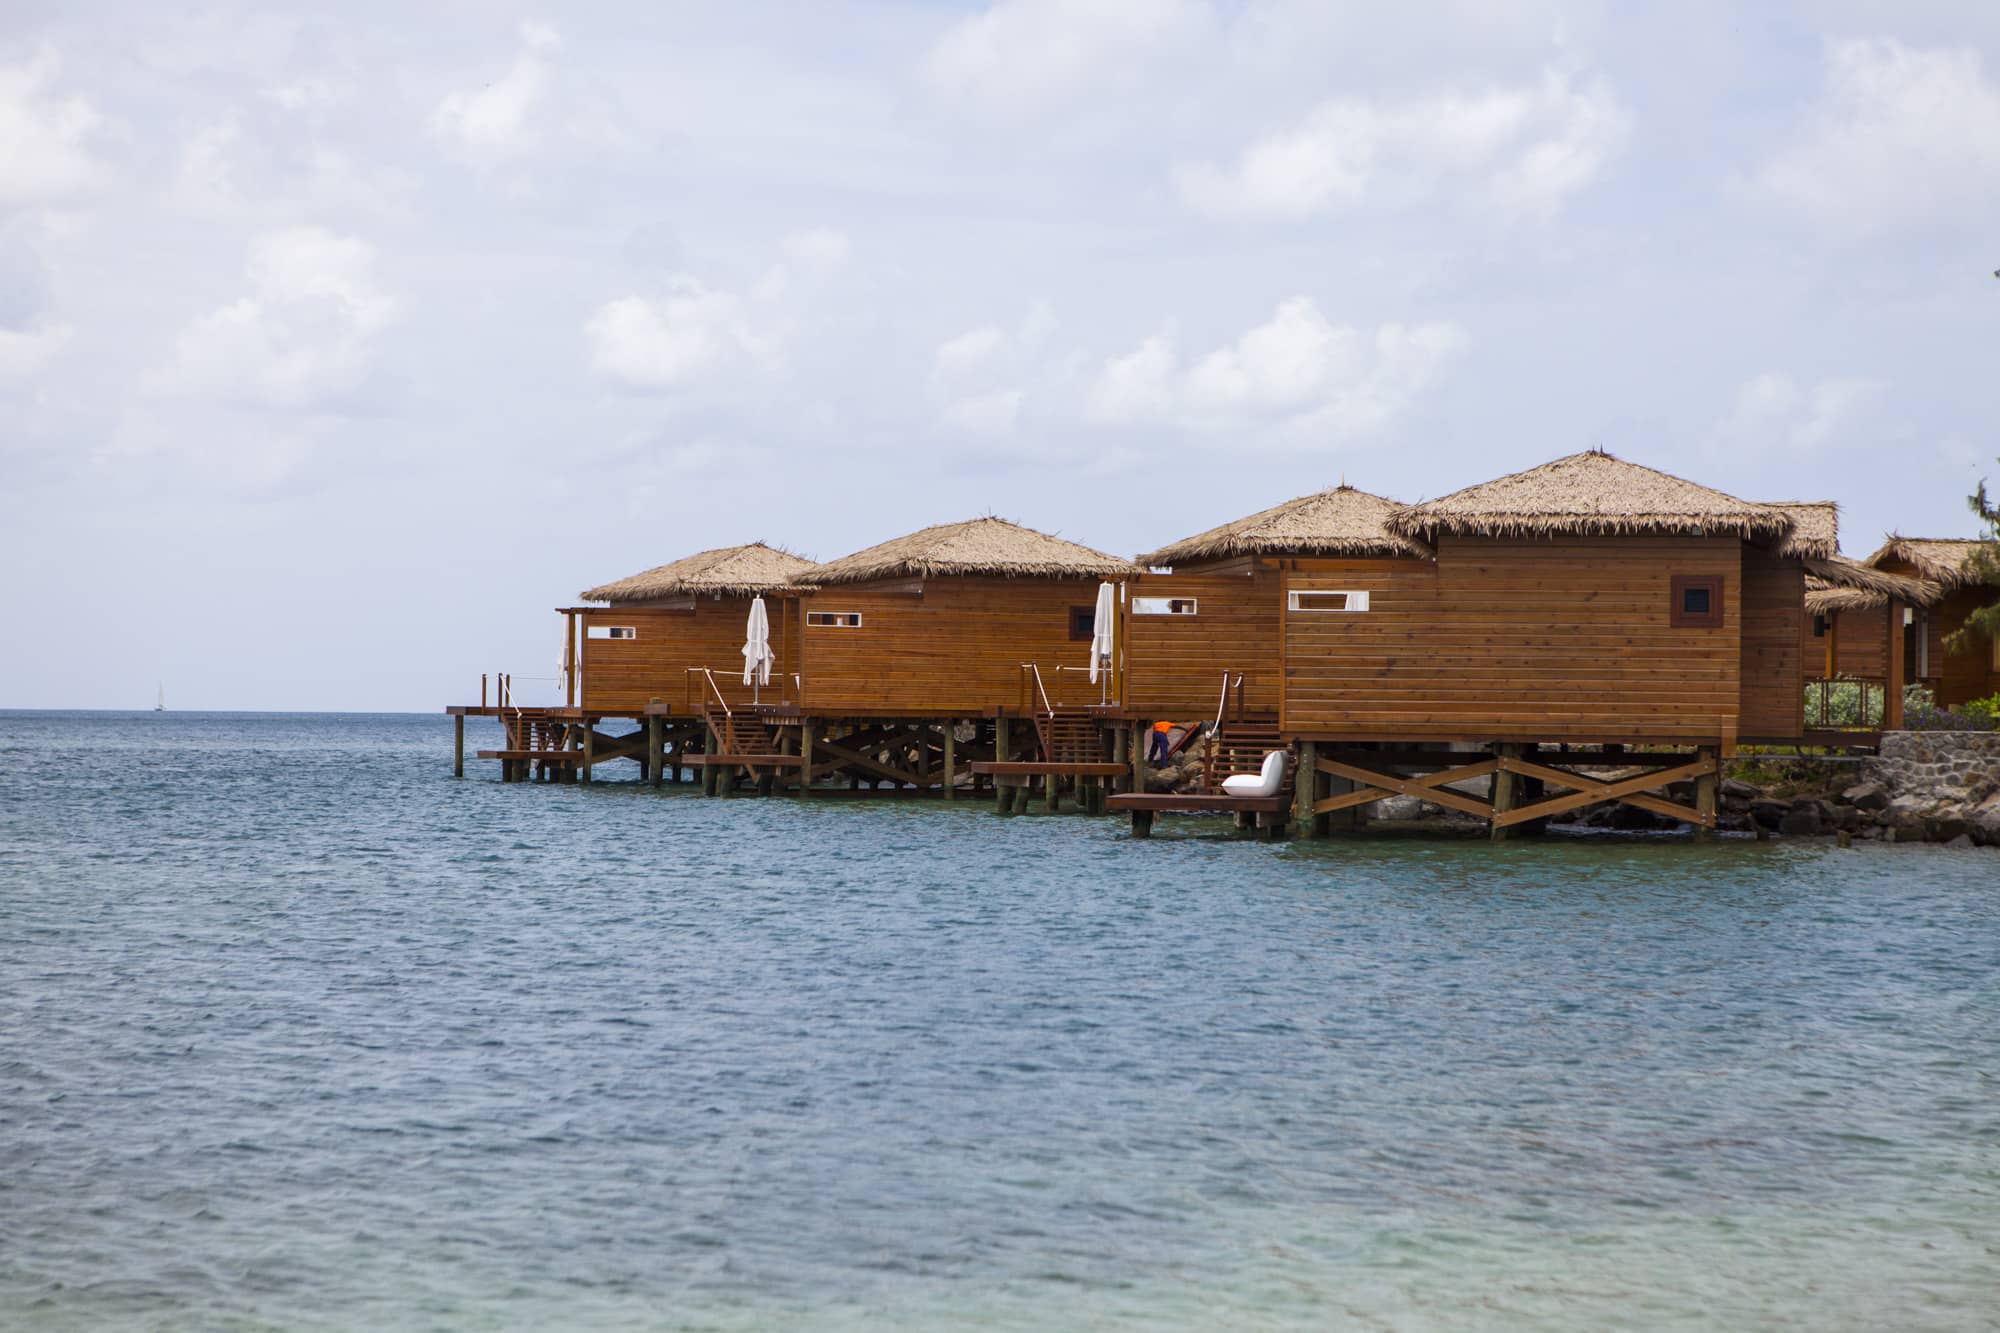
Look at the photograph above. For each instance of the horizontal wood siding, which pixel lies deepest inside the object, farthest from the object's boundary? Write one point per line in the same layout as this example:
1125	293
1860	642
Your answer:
1861	643
1558	639
1774	666
1174	664
623	674
1970	674
954	650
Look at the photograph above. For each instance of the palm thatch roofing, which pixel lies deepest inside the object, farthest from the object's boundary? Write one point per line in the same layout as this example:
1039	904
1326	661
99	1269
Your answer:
1342	521
727	571
1825	601
981	547
1872	587
1815	530
1942	560
1590	493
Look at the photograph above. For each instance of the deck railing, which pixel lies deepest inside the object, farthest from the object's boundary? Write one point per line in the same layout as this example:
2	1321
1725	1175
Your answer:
1846	703
1222	704
708	674
1030	672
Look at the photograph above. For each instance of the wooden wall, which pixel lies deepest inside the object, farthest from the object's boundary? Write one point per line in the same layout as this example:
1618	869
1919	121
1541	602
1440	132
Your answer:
1557	639
620	675
1774	664
953	649
1174	664
1969	674
1861	644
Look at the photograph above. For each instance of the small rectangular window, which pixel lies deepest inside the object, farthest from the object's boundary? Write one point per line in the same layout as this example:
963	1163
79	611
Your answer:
1163	606
1819	627
1327	599
1082	624
1697	601
611	632
834	619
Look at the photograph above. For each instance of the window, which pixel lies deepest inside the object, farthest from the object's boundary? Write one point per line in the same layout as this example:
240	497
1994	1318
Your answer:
1327	599
1819	627
1163	606
611	632
1082	624
834	619
1697	601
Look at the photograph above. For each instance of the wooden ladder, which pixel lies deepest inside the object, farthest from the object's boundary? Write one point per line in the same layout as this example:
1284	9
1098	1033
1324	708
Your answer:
1239	746
741	733
1069	736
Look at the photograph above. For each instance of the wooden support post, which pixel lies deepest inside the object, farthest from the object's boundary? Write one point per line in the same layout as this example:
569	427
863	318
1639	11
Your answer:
589	748
656	754
1504	786
1142	823
922	731
711	774
1705	788
458	745
1050	784
950	757
806	728
1002	742
1303	783
1141	733
1892	689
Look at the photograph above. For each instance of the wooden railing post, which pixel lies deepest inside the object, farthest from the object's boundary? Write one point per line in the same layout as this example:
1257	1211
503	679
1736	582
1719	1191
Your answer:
1892	697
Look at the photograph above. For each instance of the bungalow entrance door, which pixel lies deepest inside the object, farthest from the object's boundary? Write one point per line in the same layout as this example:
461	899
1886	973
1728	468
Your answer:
1917	649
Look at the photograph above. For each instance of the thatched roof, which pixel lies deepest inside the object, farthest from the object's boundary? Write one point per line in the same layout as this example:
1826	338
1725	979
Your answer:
1943	560
1589	493
1825	601
1843	575
727	571
1342	521
980	547
1815	528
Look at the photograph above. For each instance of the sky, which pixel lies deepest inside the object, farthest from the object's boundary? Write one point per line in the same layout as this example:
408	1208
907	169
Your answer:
337	351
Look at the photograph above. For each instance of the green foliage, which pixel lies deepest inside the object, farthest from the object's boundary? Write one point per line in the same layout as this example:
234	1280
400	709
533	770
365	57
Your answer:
1982	626
1843	704
1986	712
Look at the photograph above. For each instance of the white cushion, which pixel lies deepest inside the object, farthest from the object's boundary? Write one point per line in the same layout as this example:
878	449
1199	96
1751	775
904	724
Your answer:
1264	783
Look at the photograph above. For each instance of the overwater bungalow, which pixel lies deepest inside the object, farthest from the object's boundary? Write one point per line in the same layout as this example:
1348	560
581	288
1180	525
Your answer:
672	637
1973	672
919	654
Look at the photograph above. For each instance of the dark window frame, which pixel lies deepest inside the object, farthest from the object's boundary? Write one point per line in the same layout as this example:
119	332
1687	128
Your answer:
1681	618
1082	624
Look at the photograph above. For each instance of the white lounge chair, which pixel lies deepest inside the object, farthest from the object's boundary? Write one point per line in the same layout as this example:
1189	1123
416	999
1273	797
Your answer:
1266	782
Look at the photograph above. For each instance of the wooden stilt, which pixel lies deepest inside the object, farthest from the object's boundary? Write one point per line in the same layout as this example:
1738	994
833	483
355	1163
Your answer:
1706	787
589	749
950	757
1302	787
1141	731
1504	783
458	745
656	757
1142	823
806	729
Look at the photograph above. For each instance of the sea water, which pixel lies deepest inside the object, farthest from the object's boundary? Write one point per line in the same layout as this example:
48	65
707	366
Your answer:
298	1031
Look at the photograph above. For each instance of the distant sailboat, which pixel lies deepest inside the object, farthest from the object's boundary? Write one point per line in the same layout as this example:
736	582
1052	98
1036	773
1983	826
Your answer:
161	706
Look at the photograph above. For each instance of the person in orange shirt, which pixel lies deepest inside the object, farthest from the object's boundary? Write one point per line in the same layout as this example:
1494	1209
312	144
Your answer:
1158	754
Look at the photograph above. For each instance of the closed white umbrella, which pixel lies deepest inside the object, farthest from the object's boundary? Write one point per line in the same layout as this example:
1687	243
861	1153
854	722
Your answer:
757	646
1101	630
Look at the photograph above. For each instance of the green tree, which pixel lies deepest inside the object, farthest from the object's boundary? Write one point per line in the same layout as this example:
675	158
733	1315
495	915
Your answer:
1983	564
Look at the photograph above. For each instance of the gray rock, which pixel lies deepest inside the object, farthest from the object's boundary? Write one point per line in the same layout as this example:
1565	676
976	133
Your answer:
1632	819
1399	807
1740	790
1802	821
1962	840
1866	796
1769	813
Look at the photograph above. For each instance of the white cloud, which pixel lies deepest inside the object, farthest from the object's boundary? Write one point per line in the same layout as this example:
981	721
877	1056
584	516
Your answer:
692	332
1898	136
821	247
44	141
24	352
956	356
985	413
306	331
1523	149
1297	370
499	117
1774	411
1023	57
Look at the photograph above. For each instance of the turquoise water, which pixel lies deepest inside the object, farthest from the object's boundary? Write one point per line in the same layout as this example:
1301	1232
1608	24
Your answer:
297	1031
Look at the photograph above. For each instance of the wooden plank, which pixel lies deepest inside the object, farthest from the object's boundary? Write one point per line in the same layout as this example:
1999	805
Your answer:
950	758
1429	787
854	759
1037	767
1595	791
1197	803
458	746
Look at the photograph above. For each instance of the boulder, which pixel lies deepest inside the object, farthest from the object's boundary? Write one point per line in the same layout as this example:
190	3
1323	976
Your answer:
1769	813
1632	819
1866	796
1962	840
1739	790
1398	807
1947	825
1802	821
1844	817
1985	821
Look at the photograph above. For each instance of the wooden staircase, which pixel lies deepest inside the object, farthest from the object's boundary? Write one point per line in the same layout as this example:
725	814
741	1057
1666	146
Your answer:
1069	736
741	733
1239	746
